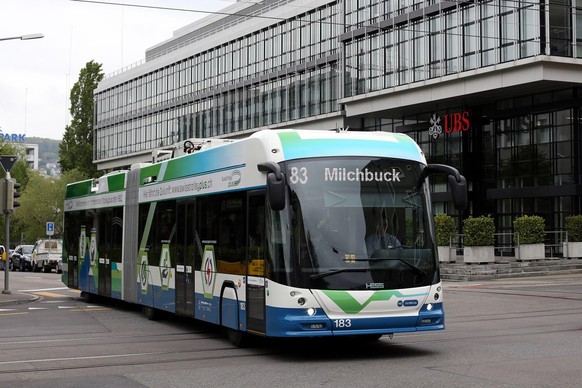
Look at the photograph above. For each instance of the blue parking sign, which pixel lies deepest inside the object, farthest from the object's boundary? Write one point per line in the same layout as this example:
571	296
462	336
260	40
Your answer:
50	228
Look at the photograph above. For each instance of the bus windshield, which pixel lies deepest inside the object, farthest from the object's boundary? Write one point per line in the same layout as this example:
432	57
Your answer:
359	223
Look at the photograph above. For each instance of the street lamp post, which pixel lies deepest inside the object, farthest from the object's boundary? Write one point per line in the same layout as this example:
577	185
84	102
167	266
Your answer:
9	165
25	37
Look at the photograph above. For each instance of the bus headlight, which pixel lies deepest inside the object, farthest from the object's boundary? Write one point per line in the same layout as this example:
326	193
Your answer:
301	301
429	307
311	311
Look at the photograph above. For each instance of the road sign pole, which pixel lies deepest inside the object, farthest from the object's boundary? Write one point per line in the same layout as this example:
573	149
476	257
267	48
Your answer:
7	247
7	262
7	162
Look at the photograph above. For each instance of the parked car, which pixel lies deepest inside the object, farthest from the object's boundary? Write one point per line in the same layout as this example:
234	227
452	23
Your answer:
47	255
22	258
4	258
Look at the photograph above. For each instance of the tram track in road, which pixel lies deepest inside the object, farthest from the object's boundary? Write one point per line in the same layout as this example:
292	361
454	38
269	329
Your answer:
459	334
513	315
544	320
106	340
509	309
65	364
90	352
577	296
300	350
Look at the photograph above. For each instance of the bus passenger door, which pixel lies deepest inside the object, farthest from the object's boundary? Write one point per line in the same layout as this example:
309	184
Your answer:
73	272
104	276
256	271
71	244
185	251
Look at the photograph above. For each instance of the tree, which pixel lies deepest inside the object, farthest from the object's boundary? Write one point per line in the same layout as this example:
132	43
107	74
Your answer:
76	149
42	200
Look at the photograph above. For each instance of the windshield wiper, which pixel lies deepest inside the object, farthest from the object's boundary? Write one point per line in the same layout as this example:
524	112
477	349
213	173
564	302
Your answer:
416	270
336	271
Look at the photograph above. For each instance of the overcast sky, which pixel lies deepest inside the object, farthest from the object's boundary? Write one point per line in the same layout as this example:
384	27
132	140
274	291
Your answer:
36	75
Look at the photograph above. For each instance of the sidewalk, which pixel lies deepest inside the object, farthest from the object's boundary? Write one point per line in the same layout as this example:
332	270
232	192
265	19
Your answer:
16	297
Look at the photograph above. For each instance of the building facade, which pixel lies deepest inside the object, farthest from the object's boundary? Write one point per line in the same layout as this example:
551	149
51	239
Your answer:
31	155
492	87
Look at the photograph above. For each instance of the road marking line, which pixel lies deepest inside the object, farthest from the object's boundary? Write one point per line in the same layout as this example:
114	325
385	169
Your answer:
80	358
45	289
7	309
1	315
50	294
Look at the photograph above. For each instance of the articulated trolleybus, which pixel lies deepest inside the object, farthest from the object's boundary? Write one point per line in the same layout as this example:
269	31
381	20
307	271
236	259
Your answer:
286	233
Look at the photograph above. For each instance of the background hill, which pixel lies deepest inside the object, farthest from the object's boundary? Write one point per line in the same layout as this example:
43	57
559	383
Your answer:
48	150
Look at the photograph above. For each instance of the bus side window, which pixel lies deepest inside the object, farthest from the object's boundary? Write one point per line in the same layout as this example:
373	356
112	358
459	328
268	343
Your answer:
229	231
257	265
277	266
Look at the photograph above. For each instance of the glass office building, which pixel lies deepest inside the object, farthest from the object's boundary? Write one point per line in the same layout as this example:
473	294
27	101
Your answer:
493	87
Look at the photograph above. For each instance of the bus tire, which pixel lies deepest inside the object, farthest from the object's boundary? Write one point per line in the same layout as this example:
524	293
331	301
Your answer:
150	313
237	337
87	297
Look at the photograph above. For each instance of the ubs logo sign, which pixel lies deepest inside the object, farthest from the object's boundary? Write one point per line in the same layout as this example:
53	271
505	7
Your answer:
452	122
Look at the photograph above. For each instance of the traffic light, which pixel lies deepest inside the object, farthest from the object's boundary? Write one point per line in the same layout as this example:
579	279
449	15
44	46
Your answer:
2	195
12	194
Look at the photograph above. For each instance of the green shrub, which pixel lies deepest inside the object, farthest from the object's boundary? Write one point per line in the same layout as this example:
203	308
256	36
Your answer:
529	230
479	231
573	225
445	229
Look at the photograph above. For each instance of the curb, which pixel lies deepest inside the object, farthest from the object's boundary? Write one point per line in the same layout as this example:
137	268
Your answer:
10	299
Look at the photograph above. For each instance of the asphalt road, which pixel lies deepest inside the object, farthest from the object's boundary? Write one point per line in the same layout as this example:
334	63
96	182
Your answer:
511	333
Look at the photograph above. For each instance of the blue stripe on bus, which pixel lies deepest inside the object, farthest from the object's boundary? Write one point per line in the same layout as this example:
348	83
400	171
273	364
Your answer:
283	322
208	310
157	298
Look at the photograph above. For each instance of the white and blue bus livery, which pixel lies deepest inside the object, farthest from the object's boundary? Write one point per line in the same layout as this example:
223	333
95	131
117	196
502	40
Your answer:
286	233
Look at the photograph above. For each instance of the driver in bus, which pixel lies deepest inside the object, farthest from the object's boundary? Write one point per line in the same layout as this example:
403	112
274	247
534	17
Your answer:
381	238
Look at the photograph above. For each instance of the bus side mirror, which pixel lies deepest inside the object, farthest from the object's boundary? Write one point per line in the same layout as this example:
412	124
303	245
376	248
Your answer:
275	184
276	191
457	182
458	191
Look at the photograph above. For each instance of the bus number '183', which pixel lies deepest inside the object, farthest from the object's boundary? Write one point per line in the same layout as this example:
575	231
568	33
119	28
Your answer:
342	323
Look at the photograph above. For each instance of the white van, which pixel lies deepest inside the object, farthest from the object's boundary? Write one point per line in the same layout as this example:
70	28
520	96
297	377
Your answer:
47	255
